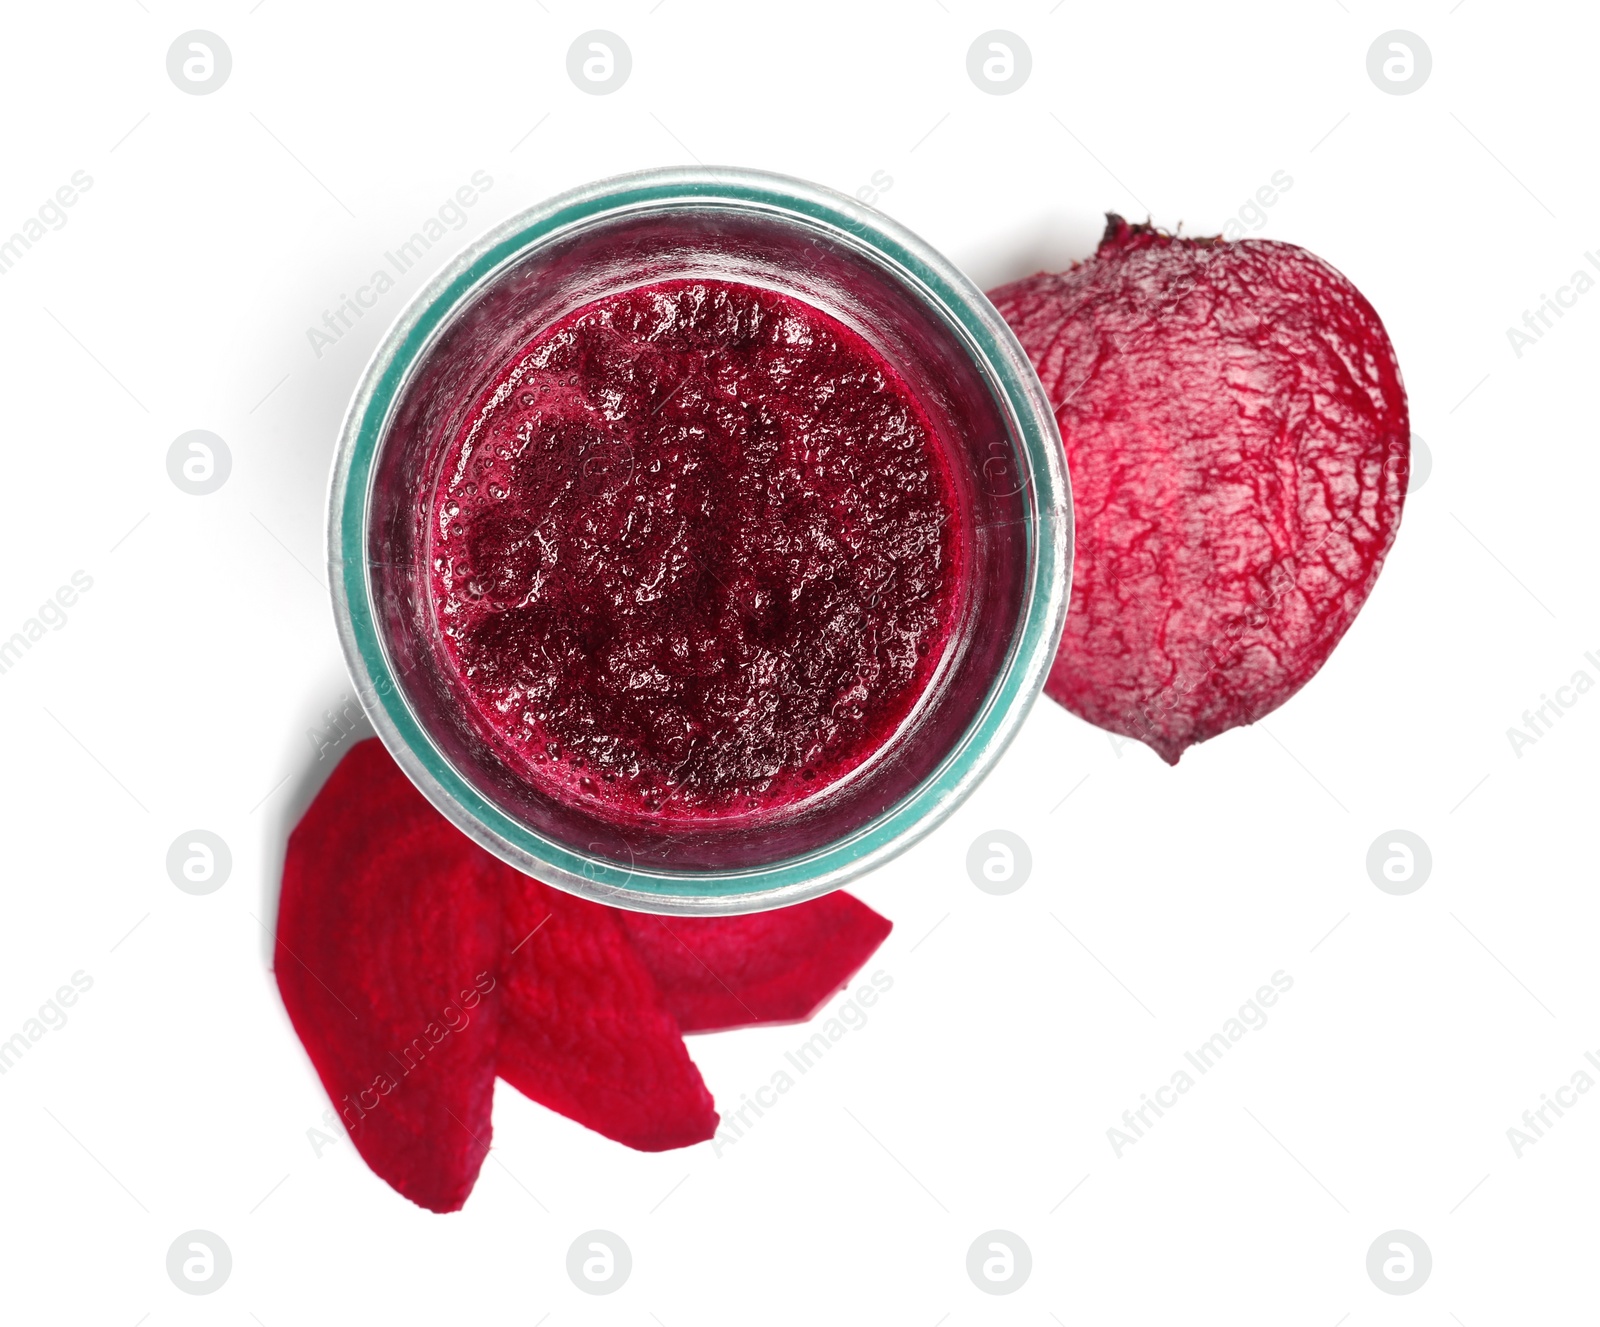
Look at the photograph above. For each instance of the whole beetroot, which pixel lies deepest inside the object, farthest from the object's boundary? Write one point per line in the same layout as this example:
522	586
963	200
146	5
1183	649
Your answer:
1238	441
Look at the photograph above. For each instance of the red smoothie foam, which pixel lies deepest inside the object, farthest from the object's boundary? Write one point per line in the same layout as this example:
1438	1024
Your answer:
694	555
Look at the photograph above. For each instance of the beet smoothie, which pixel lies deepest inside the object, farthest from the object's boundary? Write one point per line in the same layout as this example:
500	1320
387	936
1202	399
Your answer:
694	555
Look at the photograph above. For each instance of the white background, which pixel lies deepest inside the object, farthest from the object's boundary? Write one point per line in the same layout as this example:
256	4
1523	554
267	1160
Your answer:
1018	1029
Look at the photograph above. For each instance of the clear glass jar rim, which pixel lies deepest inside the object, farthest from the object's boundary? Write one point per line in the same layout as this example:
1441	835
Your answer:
1013	691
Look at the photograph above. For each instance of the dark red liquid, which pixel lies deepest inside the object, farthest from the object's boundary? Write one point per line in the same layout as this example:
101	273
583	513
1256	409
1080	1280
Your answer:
694	554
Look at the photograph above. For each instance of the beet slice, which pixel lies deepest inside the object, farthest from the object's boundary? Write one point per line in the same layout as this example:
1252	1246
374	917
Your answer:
584	1030
416	967
389	926
1238	440
767	967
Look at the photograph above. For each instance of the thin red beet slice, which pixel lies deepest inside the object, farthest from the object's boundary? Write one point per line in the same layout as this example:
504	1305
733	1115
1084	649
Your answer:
768	967
389	926
415	967
1238	441
584	1030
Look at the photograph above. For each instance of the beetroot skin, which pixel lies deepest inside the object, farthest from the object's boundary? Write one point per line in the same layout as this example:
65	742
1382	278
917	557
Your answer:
1238	442
416	968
